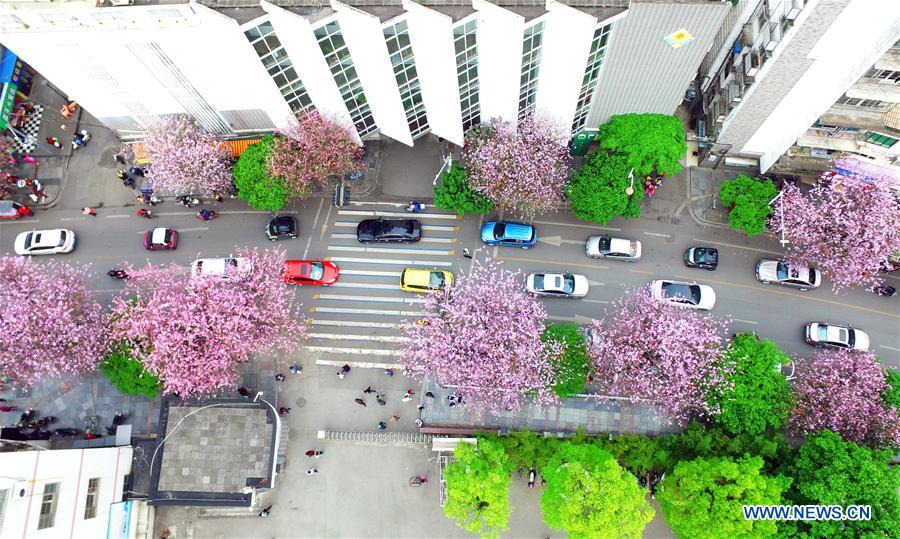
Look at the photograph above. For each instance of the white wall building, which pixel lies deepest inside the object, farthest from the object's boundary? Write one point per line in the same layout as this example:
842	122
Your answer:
400	70
64	493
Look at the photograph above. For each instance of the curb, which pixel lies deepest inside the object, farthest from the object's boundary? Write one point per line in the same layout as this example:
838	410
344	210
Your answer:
690	207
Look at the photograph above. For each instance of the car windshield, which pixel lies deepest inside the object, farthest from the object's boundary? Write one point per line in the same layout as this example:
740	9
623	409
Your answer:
31	239
62	239
316	270
436	280
782	271
848	336
568	283
707	256
539	281
499	230
231	265
604	244
685	293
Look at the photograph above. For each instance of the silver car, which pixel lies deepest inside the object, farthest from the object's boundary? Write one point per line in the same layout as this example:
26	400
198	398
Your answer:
557	285
787	274
613	248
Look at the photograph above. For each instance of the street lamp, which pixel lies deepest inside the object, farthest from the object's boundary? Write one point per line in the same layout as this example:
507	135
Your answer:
630	189
448	162
783	241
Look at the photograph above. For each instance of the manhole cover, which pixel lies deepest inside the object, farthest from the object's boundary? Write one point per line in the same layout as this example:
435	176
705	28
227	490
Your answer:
300	402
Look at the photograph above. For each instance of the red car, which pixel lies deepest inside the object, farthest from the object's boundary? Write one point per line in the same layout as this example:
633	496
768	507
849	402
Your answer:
310	272
13	210
160	239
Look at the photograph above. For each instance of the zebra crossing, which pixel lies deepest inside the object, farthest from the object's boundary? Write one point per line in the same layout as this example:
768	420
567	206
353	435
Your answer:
359	319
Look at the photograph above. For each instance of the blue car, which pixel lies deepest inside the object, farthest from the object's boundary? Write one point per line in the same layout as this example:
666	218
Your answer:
507	233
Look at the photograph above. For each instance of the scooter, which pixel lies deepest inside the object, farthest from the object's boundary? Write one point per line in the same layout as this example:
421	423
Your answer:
532	475
117	273
188	202
884	290
66	433
80	139
206	215
415	207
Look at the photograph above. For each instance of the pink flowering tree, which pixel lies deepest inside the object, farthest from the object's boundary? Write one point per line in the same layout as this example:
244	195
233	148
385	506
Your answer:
484	338
522	168
312	151
648	350
841	390
51	324
184	158
193	332
847	229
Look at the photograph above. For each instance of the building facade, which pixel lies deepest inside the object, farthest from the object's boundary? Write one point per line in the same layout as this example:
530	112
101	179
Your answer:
398	70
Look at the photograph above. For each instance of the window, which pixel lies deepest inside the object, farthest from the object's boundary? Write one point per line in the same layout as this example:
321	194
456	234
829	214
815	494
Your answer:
531	63
281	70
880	140
4	497
48	506
885	75
404	64
90	501
337	56
591	74
467	72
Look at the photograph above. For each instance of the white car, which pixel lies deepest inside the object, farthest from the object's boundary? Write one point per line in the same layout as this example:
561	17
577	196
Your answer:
787	274
225	269
613	248
557	285
686	295
45	242
836	336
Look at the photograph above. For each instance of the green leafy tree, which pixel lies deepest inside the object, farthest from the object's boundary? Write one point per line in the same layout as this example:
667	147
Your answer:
254	183
598	193
478	488
128	374
749	202
454	193
639	453
698	440
573	364
651	143
703	498
589	495
757	396
829	471
526	449
891	394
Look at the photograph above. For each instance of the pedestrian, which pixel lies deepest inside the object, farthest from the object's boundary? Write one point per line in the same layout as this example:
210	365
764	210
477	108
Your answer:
429	394
395	417
284	411
242	391
265	512
380	399
314	453
420	406
368	390
382	425
406	398
419	423
88	211
345	369
312	471
121	159
466	252
295	369
217	197
54	141
389	372
360	402
121	174
279	377
340	375
29	159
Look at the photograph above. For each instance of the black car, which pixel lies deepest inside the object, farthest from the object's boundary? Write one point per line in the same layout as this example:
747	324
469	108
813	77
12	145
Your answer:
389	230
701	257
282	226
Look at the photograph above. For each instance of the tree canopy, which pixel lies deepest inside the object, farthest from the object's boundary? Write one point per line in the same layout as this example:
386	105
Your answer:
589	495
185	158
125	371
572	365
651	143
453	193
254	182
478	488
750	198
703	498
597	191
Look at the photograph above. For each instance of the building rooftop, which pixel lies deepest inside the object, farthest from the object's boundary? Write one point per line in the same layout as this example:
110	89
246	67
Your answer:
213	450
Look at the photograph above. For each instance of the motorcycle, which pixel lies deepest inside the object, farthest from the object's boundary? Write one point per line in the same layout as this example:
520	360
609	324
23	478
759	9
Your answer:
117	273
66	433
532	475
415	207
884	290
188	201
147	214
80	139
206	215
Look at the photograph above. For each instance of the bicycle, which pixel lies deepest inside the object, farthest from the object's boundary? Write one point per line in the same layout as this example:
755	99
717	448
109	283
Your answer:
417	480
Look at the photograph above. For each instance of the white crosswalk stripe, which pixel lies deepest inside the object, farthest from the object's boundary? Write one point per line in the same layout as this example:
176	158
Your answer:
392	250
355	324
371	273
378	299
377	312
400	214
423	240
370	286
392	261
375	338
354	351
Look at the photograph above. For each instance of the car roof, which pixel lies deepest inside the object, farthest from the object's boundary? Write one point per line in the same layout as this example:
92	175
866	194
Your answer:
159	235
417	276
46	237
619	245
518	231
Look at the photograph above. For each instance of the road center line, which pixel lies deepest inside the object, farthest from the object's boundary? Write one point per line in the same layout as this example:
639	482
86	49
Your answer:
578	225
657	234
733	246
889	348
552	262
746	321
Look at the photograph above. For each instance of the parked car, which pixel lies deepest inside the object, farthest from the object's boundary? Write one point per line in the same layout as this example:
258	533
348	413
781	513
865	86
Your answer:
225	269
425	280
784	273
389	230
159	239
686	295
613	248
45	242
557	285
314	272
13	210
702	257
508	233
827	335
281	227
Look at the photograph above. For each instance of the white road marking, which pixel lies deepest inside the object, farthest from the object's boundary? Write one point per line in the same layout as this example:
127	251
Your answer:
366	285
578	319
73	218
556	241
22	222
373	203
355	324
596	301
120	216
889	348
371	273
378	312
657	234
378	338
380	299
180	230
595	283
357	351
398	250
746	321
359	364
431	228
393	261
404	215
306	250
733	246
318	212
577	225
423	240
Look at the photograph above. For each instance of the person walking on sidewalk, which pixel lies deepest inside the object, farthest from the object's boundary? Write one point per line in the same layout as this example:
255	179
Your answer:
466	252
312	471
265	512
360	402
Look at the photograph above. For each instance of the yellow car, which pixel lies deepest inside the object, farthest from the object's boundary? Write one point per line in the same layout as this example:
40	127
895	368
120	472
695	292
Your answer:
424	280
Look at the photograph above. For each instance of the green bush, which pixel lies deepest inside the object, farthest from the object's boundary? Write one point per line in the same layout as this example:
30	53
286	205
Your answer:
127	374
597	190
891	394
453	193
750	199
573	365
651	143
254	184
